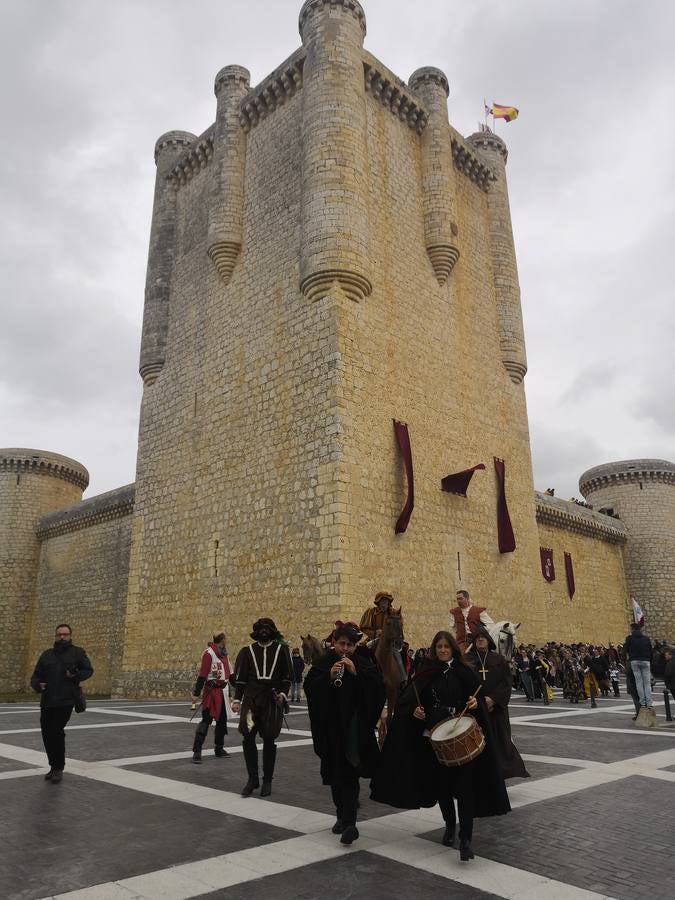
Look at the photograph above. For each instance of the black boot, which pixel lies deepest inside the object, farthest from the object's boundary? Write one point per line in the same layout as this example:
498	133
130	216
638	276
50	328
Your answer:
465	835
251	759
221	751
269	758
200	737
448	839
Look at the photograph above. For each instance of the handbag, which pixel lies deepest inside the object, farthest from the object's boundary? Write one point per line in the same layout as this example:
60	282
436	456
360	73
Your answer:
80	700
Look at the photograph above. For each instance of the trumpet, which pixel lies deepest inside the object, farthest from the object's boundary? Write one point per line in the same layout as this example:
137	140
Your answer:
337	681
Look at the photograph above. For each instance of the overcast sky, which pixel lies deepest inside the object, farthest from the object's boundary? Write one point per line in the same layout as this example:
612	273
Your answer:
89	85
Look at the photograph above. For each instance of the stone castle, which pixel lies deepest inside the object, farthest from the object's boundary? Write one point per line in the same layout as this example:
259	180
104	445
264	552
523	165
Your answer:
329	258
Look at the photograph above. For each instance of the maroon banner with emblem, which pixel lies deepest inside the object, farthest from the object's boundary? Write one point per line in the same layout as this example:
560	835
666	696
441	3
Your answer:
505	536
569	572
547	567
458	482
403	438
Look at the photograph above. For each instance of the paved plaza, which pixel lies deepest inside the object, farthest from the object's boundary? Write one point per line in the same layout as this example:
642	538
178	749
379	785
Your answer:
135	818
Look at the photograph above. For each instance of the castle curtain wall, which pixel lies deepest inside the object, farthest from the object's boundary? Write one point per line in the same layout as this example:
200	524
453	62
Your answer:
598	612
82	580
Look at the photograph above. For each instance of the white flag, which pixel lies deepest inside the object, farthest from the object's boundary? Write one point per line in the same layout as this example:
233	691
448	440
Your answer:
638	615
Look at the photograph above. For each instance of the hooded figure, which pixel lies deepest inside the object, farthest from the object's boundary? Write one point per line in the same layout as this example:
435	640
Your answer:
263	674
497	681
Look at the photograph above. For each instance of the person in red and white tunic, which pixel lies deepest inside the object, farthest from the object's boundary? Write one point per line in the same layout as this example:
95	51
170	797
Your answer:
212	683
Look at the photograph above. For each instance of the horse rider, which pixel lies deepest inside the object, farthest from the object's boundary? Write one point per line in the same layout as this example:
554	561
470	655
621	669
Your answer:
467	619
372	621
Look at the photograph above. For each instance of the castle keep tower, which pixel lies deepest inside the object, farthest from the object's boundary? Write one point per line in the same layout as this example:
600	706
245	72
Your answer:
330	255
32	483
642	493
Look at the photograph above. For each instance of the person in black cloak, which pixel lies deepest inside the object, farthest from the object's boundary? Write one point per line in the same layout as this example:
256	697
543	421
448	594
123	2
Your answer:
345	696
410	776
497	681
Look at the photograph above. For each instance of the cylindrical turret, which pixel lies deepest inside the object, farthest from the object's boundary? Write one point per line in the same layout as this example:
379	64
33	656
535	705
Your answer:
160	256
642	493
507	289
32	483
438	172
334	236
226	203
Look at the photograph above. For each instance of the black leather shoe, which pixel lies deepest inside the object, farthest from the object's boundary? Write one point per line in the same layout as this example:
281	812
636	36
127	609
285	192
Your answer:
48	776
197	756
221	751
338	828
349	835
249	787
448	839
266	789
465	851
57	775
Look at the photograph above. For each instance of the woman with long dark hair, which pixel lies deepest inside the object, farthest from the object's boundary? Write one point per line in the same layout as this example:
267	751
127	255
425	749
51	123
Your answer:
410	775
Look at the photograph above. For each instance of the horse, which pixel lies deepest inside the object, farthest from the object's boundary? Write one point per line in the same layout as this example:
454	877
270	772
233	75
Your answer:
503	634
388	658
312	648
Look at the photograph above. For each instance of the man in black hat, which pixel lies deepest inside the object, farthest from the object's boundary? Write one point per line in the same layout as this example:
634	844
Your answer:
263	674
496	681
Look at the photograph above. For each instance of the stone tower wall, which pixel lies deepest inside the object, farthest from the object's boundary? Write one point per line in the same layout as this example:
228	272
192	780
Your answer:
642	493
32	483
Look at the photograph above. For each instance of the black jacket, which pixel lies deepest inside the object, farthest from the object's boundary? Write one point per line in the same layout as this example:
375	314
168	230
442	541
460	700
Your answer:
669	675
638	646
51	668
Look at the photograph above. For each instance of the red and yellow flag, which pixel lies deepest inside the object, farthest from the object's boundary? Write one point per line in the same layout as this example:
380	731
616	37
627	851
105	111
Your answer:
497	111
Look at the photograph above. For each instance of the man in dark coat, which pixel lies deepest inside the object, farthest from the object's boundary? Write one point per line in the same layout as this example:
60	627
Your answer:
57	676
263	674
669	671
345	696
497	681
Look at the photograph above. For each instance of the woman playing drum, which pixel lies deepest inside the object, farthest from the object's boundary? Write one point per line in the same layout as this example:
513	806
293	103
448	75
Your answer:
410	774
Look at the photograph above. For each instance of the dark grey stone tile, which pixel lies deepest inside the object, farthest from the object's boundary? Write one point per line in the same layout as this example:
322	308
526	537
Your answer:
9	765
79	833
592	745
296	779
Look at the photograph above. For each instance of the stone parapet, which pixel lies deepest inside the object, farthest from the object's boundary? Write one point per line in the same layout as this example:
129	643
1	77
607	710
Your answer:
272	92
628	471
572	517
111	505
393	94
36	462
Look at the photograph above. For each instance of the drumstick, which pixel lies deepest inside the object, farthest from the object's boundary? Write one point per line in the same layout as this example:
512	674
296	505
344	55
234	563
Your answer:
472	697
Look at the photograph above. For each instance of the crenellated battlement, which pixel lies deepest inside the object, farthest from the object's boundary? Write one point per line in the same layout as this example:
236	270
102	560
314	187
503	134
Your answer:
311	7
628	471
37	462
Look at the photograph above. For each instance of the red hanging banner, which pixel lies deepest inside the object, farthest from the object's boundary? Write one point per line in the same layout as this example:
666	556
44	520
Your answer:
505	535
403	438
569	572
458	482
547	567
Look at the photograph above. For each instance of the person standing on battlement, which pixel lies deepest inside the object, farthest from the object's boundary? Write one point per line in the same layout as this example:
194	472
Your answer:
263	674
212	681
57	676
467	619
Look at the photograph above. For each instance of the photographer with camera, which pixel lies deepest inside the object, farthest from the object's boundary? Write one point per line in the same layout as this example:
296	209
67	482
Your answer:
57	676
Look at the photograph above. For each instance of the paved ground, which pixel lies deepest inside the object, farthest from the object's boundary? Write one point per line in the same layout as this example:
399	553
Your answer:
134	818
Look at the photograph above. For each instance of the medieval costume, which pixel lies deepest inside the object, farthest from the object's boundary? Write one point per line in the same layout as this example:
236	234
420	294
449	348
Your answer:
571	677
466	621
212	681
497	681
372	621
410	776
591	686
343	714
263	674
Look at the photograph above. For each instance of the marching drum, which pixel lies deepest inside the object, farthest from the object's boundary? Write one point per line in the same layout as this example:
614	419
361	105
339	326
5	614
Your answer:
457	741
